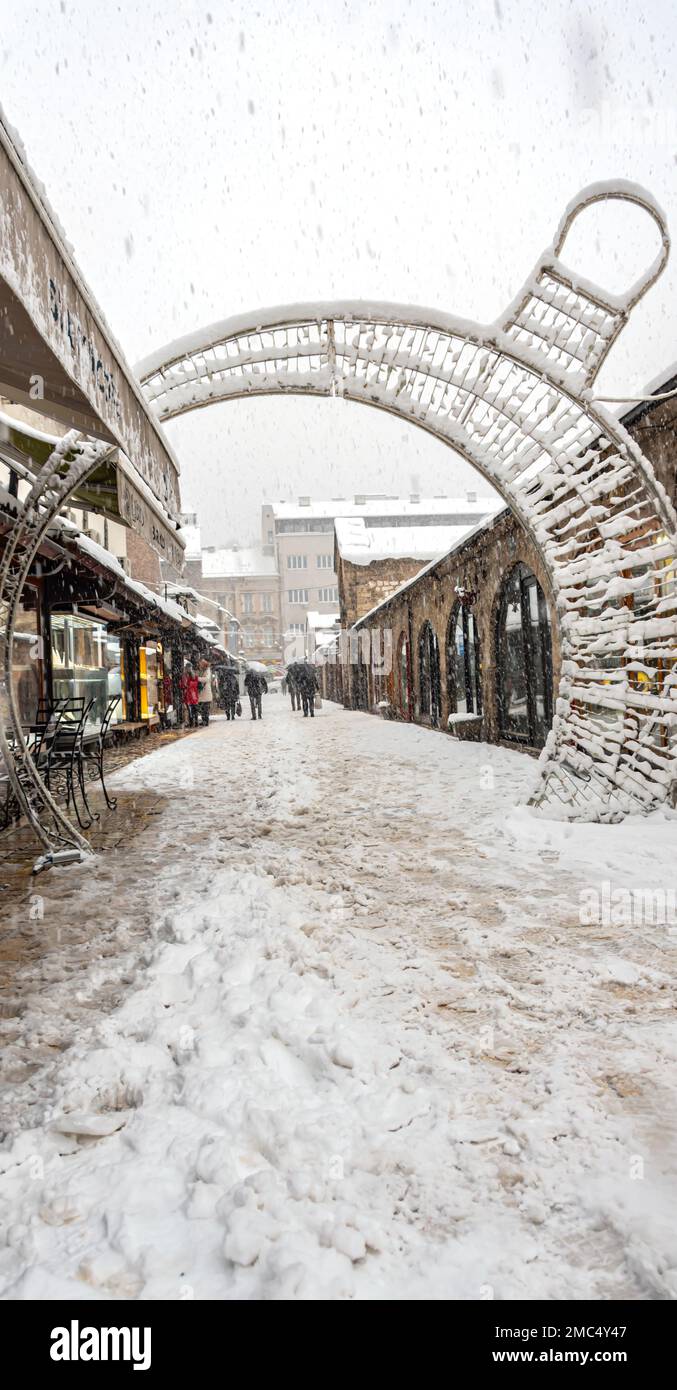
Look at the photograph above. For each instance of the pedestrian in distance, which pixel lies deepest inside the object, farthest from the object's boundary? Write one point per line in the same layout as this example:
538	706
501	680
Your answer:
292	685
189	690
255	686
308	684
231	692
205	693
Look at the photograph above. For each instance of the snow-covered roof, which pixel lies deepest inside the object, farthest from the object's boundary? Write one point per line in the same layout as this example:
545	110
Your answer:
470	535
627	412
326	621
387	506
235	563
363	545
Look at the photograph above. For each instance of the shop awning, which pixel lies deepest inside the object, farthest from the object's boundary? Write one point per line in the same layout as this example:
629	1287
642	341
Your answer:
114	489
57	354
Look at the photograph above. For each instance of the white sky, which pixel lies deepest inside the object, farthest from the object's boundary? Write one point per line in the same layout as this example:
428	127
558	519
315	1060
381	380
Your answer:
209	158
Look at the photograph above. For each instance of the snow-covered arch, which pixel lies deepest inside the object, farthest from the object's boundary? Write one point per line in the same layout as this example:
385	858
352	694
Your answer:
515	400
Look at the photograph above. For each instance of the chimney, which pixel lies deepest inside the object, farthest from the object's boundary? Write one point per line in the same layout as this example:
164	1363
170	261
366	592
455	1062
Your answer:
471	496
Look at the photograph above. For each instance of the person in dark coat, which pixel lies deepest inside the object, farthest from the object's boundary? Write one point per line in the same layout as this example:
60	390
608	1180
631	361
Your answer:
231	691
292	684
308	684
255	685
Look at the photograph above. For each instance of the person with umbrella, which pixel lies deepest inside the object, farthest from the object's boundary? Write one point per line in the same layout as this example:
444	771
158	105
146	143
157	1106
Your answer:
255	685
308	683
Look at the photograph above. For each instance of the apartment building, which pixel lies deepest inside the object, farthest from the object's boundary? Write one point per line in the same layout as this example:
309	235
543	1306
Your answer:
243	590
299	536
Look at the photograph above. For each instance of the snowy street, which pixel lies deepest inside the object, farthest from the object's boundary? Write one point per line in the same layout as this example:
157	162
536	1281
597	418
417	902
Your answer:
327	1024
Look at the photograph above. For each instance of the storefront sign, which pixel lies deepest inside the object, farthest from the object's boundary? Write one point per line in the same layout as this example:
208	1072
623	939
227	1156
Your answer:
140	515
56	352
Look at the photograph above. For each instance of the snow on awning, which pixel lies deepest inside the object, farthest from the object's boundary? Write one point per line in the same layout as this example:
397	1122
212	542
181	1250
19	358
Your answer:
53	332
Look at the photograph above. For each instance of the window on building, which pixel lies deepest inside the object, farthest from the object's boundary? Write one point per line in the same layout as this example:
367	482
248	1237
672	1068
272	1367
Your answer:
249	637
524	659
268	637
325	562
270	537
463	661
297	629
297	562
429	674
297	595
247	603
266	603
328	595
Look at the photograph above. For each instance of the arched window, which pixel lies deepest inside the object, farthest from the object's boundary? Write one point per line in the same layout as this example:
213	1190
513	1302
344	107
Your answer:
402	677
463	661
429	674
524	652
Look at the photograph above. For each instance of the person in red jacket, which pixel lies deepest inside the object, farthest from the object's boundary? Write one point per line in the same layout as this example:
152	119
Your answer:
189	690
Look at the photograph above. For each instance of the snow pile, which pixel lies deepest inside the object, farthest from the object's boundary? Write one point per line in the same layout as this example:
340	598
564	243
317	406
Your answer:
371	1052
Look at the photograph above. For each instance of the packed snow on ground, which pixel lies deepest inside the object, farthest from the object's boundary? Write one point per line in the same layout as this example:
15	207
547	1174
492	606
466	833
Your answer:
368	1048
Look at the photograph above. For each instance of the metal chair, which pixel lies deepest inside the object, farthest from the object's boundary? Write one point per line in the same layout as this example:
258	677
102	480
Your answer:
67	759
40	745
94	754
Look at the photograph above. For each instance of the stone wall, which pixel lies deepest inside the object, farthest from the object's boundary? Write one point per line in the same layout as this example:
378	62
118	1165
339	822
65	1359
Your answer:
654	430
362	587
479	567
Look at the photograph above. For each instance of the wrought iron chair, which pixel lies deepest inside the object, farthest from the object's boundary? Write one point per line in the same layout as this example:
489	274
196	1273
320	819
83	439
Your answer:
40	744
67	761
94	754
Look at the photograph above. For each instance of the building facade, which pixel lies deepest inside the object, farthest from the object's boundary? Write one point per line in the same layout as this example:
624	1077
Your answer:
243	588
468	645
300	535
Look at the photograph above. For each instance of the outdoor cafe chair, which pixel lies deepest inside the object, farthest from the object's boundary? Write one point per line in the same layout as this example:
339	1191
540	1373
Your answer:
93	751
41	741
67	760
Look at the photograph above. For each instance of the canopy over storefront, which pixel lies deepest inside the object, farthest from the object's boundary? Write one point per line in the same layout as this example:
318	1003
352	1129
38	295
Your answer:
59	358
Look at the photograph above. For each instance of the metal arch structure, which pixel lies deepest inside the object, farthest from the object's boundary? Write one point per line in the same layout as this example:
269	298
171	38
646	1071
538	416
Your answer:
515	400
67	467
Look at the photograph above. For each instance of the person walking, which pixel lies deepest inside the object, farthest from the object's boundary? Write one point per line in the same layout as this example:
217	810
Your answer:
292	685
205	693
255	685
231	692
308	684
189	691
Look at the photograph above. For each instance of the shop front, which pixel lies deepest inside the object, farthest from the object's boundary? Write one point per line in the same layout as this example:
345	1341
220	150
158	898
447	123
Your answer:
87	662
152	704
